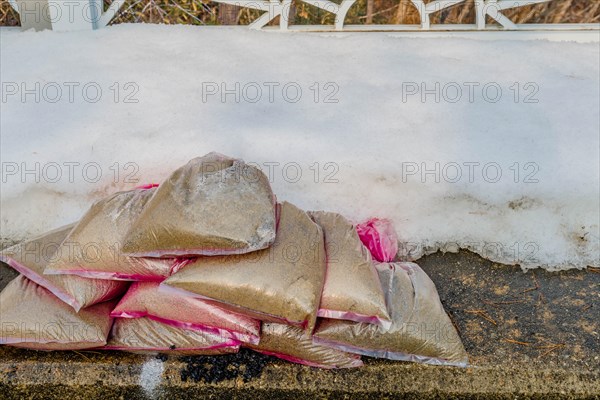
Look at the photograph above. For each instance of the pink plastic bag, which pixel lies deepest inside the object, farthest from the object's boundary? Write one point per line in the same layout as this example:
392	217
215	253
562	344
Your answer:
380	238
293	344
31	258
280	284
93	249
143	335
143	299
147	186
421	330
213	205
349	266
32	317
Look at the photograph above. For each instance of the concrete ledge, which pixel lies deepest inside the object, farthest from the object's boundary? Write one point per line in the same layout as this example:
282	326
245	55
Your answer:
533	336
131	379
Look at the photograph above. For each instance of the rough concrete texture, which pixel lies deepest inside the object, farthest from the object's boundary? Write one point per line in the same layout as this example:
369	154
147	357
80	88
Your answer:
532	335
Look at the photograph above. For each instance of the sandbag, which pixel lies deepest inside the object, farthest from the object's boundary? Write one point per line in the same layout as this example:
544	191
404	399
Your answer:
143	299
279	284
31	258
213	205
421	331
93	248
293	344
143	335
380	237
32	317
352	289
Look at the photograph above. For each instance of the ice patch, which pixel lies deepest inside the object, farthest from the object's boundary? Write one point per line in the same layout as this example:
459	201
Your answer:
151	376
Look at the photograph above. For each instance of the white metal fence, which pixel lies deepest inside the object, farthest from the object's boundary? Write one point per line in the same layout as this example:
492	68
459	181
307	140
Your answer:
89	14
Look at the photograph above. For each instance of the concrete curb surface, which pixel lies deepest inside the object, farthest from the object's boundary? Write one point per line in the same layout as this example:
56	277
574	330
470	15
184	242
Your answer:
529	335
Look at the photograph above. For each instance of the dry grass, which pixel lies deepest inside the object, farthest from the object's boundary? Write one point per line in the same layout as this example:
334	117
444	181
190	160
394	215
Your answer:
198	12
556	11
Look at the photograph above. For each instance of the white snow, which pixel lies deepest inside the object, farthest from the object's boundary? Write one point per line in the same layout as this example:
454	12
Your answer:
543	210
151	376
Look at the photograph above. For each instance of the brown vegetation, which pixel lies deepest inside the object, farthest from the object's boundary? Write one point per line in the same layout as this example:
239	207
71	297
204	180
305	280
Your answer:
198	12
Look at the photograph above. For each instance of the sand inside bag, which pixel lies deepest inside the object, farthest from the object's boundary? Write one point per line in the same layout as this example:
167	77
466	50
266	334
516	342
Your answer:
93	249
280	284
421	330
295	345
31	258
143	299
32	317
143	335
352	288
213	205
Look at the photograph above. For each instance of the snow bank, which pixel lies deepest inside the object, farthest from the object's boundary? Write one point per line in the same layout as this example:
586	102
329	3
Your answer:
514	177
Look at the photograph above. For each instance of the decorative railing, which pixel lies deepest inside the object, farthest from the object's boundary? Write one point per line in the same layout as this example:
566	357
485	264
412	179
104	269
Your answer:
483	9
65	15
89	14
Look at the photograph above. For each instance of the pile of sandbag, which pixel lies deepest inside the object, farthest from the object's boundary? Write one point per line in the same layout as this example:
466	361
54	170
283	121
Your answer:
208	262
